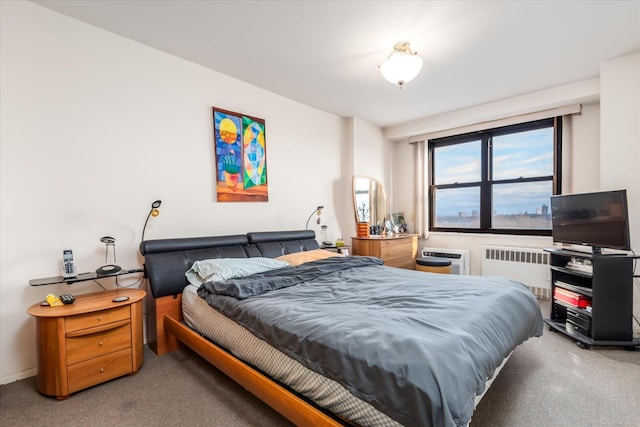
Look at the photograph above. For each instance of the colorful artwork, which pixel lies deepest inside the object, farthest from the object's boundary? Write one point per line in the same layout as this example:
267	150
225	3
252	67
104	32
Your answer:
241	157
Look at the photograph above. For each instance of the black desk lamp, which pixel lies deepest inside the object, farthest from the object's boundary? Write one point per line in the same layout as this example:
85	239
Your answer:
107	268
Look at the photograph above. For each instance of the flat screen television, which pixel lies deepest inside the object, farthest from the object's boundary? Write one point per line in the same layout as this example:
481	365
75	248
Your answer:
599	220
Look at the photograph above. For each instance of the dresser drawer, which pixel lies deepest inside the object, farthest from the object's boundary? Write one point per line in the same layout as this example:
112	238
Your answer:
97	344
398	253
396	249
96	318
403	262
95	371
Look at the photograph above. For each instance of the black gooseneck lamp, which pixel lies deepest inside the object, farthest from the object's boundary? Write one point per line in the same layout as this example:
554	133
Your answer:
153	212
317	211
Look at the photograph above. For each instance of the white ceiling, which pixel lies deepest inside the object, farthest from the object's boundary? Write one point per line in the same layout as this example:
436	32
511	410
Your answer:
326	53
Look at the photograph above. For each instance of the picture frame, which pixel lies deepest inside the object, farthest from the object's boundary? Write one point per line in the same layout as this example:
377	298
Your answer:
398	218
399	222
240	157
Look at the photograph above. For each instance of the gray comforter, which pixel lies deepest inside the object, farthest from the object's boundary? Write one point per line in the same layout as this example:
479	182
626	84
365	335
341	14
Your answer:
417	346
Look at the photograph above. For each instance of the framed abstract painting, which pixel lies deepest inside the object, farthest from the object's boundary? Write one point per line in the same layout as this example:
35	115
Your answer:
240	157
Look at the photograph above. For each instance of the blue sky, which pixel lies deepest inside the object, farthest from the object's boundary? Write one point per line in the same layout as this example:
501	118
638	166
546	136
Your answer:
524	154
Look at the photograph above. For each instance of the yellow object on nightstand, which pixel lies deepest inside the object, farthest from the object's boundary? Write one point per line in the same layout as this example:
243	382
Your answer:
53	300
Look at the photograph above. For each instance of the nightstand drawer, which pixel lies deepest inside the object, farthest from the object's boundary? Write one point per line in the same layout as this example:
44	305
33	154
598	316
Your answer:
96	318
89	346
95	371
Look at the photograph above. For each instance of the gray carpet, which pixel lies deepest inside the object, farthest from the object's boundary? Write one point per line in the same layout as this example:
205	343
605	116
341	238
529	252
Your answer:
176	389
547	382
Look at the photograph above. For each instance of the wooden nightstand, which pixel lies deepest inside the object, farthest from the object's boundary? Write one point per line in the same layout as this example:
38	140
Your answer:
88	342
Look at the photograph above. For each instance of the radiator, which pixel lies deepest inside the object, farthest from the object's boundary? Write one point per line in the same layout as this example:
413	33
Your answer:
529	266
459	258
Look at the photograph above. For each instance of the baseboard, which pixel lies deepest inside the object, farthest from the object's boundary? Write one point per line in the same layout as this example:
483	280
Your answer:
18	376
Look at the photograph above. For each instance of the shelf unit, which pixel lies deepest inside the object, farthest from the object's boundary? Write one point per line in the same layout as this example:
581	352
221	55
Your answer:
607	320
80	277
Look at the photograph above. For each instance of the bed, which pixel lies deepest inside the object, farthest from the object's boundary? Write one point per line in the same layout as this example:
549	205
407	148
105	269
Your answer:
329	340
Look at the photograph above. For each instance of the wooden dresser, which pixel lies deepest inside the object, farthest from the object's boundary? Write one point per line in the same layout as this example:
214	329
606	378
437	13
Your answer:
399	250
88	342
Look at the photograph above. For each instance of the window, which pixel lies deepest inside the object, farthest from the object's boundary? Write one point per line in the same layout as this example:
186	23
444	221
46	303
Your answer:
498	180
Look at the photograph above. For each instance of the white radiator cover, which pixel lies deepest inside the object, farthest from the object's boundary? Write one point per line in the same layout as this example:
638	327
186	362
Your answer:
529	266
459	258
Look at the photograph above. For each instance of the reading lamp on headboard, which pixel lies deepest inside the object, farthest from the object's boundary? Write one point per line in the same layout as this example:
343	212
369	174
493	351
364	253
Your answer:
153	212
316	211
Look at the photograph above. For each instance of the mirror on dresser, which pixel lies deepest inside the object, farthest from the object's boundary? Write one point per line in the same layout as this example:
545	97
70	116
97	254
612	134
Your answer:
369	201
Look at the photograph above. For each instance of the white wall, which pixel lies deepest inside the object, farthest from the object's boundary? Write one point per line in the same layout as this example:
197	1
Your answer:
620	134
582	92
372	151
95	127
372	155
403	187
620	141
584	174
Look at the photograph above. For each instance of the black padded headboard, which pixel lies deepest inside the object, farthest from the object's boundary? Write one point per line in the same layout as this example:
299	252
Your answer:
166	260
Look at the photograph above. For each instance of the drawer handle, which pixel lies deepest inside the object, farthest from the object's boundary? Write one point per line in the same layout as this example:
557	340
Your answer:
100	343
101	370
99	318
100	328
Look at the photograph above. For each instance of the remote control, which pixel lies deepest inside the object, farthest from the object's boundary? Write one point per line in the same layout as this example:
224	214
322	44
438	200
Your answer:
67	298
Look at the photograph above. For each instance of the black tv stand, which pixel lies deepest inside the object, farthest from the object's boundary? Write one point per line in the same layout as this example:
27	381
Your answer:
607	321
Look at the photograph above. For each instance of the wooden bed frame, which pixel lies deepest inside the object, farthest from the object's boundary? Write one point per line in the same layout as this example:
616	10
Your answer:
167	332
166	262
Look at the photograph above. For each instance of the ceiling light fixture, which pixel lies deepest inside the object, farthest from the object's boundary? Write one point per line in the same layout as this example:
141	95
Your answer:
402	65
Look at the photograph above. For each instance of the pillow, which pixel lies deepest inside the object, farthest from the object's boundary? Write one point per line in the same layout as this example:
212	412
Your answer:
307	256
220	269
